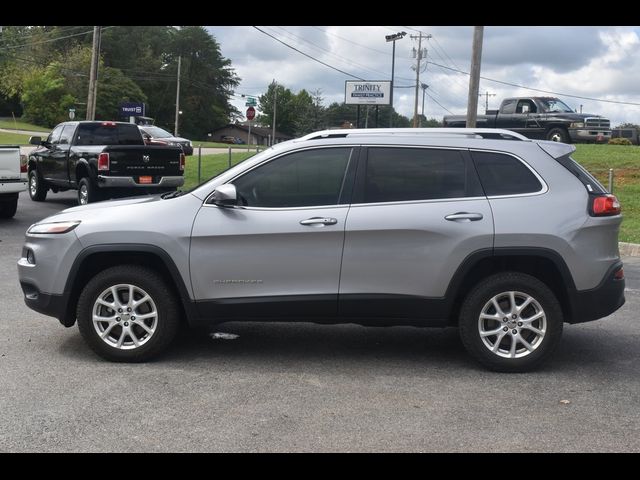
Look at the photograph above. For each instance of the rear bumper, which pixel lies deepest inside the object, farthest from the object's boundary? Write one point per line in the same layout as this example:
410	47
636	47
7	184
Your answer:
118	182
606	298
12	186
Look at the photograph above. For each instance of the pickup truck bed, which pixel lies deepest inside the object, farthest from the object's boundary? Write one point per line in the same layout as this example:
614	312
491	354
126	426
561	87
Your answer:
12	179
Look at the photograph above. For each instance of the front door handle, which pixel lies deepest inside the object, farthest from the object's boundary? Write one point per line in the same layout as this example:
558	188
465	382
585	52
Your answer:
318	221
464	216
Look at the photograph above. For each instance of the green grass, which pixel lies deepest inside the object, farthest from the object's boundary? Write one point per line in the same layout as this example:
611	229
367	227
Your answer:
9	123
222	145
625	162
13	139
211	166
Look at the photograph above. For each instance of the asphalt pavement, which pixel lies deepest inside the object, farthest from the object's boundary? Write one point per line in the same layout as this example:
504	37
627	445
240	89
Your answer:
305	387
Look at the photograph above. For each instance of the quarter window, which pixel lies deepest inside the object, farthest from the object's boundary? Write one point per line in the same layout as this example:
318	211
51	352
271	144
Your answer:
302	179
403	174
502	174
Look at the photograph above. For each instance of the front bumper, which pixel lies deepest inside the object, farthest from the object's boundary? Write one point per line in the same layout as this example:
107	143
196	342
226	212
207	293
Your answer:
598	302
126	182
47	304
597	135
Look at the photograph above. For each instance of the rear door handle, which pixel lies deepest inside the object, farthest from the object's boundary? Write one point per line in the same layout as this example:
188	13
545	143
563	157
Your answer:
464	216
318	221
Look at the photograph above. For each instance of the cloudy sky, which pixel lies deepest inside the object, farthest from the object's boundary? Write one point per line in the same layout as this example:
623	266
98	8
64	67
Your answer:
601	63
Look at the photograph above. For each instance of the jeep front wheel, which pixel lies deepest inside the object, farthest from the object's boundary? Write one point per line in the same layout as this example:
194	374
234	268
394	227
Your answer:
511	322
128	313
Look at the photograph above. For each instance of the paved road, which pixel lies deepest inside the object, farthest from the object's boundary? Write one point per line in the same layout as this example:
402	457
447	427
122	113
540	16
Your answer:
302	387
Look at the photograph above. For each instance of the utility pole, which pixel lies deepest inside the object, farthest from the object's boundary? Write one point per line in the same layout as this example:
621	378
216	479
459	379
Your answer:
487	95
275	97
392	38
419	57
474	79
93	74
175	131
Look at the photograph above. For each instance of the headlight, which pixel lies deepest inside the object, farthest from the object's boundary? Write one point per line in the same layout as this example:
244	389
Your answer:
53	227
576	125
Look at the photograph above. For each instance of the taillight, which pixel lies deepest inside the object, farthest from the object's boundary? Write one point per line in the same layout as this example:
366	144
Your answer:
108	124
605	205
103	161
619	275
23	163
182	161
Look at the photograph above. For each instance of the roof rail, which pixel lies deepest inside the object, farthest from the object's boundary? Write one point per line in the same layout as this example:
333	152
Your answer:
489	133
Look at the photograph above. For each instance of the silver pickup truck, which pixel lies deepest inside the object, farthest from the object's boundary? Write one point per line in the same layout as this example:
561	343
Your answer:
13	179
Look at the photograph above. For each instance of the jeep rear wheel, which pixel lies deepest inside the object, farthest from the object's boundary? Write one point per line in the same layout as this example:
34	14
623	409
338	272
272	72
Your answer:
128	313
511	322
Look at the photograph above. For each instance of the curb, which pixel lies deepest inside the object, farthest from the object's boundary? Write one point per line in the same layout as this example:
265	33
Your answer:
629	249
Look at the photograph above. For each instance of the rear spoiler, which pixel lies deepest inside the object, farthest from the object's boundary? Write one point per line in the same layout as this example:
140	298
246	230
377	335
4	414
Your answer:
556	149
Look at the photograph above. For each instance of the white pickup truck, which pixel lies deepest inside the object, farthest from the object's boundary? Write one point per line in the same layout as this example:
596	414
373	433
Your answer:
13	179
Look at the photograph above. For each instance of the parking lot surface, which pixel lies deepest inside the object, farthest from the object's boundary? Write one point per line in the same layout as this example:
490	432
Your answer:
305	387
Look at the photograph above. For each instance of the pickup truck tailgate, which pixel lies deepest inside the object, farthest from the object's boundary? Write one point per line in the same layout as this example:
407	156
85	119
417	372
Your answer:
145	160
9	162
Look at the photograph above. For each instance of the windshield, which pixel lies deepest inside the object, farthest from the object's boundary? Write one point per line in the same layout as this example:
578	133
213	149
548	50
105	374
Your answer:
156	132
554	105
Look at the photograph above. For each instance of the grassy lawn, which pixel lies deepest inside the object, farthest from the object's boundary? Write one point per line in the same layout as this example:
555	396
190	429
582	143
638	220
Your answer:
13	139
196	143
598	159
625	162
211	166
9	123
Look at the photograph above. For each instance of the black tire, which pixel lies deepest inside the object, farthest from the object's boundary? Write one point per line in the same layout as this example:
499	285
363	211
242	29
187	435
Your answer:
88	192
164	324
37	186
558	134
479	299
8	209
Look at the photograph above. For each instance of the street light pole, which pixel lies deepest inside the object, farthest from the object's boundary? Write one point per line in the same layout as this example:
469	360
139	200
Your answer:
393	38
275	97
424	90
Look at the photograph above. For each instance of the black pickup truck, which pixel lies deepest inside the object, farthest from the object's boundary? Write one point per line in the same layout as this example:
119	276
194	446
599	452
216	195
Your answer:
545	118
101	160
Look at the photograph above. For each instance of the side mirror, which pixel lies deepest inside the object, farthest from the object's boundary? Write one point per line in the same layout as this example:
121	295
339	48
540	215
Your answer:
225	195
35	140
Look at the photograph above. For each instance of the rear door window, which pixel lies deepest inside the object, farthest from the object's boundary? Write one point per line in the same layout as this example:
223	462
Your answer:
502	174
405	174
108	134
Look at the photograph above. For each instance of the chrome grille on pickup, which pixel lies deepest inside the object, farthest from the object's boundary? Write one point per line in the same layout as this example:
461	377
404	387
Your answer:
597	122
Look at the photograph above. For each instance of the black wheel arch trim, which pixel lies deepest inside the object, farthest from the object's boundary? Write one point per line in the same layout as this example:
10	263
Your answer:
70	289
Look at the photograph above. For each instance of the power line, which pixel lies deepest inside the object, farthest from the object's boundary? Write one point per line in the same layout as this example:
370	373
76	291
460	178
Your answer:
50	40
308	56
438	103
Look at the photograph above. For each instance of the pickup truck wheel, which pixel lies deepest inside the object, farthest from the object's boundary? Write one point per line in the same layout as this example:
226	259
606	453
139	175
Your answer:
88	192
511	322
37	186
128	313
558	134
8	209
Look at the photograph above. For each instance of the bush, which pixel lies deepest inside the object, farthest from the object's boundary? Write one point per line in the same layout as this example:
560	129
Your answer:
619	141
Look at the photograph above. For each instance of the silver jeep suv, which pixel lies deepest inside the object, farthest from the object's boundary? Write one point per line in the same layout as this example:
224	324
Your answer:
503	237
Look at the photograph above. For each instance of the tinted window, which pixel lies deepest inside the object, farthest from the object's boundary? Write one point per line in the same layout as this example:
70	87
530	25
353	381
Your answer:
67	133
108	134
401	174
502	174
302	179
55	135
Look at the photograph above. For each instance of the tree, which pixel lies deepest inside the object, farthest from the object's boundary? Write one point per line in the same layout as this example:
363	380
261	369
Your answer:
286	104
46	100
